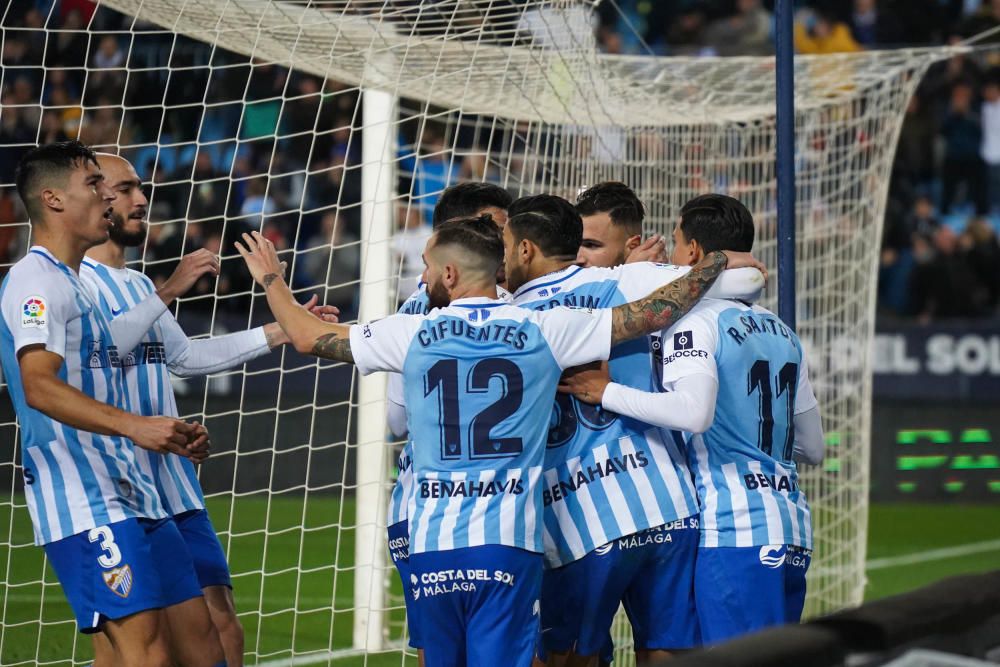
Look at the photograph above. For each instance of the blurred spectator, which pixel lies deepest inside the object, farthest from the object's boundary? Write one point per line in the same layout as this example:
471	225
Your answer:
109	54
990	151
408	249
68	47
943	285
962	165
914	167
433	167
332	259
819	32
982	252
872	25
745	33
686	36
258	204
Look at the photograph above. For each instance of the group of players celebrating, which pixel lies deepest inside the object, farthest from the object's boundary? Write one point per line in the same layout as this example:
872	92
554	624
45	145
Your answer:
584	428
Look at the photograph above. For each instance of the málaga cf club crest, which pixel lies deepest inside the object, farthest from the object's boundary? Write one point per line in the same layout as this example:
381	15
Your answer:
119	580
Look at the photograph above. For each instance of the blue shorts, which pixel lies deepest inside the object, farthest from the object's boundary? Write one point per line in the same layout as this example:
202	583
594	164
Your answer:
743	589
650	572
123	568
399	551
209	559
480	604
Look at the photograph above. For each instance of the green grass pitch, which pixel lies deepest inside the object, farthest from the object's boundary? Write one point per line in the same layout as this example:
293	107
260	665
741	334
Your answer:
293	561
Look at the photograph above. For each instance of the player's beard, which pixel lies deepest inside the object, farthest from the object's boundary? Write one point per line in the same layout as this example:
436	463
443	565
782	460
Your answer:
437	295
124	238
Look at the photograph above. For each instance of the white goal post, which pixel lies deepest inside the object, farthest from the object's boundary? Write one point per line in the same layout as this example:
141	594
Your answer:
333	125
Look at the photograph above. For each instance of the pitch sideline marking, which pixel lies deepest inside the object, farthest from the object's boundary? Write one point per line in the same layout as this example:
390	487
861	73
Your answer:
933	554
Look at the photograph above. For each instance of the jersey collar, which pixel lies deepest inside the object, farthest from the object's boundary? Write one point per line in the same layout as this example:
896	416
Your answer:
548	279
477	302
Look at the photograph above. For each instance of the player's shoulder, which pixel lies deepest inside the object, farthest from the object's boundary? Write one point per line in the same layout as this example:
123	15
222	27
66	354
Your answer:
416	303
37	271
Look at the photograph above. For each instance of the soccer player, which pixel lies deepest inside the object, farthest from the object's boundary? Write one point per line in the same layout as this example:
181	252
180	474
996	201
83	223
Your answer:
612	228
746	435
486	373
151	346
463	200
620	511
98	516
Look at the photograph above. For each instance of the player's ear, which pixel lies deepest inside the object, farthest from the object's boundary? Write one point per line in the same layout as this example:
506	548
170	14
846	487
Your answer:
526	250
52	199
632	243
695	252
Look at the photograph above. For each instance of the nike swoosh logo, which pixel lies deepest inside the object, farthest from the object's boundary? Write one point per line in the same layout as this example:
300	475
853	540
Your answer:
115	312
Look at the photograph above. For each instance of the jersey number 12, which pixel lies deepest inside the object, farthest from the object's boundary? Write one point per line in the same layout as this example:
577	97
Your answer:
443	376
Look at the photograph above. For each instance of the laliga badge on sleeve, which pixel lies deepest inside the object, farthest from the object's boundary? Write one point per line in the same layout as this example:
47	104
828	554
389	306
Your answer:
33	312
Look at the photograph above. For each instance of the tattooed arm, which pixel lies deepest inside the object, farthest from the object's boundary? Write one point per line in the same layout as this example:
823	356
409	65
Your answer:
308	333
671	302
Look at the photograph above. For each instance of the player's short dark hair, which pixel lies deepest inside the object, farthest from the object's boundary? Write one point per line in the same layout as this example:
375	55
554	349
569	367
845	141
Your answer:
476	236
616	199
548	221
467	199
717	222
45	166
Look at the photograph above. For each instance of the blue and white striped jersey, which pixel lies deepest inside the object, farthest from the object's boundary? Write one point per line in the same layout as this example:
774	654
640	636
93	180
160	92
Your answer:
147	376
416	304
74	480
480	377
606	475
746	478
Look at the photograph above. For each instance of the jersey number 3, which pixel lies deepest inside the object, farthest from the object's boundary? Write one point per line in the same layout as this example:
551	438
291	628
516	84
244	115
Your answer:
443	377
759	380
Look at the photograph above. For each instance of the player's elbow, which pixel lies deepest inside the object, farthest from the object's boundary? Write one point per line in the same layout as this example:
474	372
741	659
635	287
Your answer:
812	456
36	393
701	421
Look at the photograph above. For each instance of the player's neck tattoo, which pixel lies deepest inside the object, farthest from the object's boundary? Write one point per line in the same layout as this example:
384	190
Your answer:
665	306
333	346
269	278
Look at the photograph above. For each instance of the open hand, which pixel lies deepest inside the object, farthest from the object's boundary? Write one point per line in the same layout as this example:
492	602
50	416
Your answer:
189	270
261	258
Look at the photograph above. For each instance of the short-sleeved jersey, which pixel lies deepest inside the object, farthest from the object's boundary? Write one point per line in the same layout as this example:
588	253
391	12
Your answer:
416	304
607	476
74	480
747	481
147	377
479	379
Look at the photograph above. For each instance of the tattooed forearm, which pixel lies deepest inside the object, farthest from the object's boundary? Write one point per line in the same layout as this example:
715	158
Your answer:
333	346
668	304
269	278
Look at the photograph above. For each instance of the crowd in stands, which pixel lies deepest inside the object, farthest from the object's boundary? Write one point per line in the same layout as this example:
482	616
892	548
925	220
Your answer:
213	182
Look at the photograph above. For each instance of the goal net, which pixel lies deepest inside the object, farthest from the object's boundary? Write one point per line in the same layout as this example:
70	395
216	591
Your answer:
332	126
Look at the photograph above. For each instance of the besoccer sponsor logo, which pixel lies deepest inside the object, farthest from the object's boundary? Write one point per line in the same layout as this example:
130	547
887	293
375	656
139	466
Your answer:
33	312
119	580
772	556
604	549
683	340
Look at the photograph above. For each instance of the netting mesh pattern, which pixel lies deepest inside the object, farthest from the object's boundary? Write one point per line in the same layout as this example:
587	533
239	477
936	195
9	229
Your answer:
249	114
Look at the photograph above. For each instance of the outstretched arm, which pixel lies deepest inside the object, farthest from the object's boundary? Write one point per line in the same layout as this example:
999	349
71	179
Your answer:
671	302
308	334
